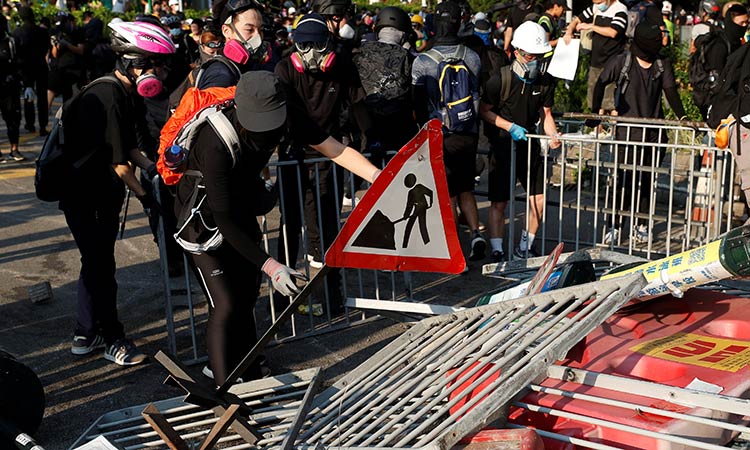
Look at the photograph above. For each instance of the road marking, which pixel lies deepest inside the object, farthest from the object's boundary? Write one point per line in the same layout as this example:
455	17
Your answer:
9	174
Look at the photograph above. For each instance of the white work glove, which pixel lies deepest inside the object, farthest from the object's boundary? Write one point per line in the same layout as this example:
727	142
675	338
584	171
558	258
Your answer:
283	277
29	95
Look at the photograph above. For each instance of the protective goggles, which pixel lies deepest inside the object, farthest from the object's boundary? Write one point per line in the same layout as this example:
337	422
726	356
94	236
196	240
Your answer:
144	63
213	44
528	56
305	47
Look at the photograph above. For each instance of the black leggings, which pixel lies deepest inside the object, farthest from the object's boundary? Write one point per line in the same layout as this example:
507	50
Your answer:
10	108
231	284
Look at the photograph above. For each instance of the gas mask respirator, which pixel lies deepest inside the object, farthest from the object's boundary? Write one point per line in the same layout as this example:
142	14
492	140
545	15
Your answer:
313	56
243	51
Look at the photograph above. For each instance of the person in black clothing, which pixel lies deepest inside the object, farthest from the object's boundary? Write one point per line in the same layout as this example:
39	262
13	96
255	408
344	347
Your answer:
187	49
717	50
33	46
67	51
550	20
100	127
93	35
639	95
151	115
325	81
241	24
384	67
231	274
529	97
516	17
10	91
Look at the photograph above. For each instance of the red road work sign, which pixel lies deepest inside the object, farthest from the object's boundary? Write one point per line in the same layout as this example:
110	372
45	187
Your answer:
404	222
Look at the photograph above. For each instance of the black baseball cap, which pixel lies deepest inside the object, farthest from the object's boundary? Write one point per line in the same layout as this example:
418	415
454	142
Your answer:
261	101
563	3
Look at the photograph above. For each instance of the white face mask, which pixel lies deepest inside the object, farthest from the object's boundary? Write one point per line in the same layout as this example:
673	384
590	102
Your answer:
346	32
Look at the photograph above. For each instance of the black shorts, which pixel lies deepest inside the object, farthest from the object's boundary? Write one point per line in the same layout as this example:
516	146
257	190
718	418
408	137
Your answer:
460	156
499	172
61	82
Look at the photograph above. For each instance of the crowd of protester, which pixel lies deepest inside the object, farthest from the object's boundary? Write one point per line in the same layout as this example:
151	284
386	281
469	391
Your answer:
319	79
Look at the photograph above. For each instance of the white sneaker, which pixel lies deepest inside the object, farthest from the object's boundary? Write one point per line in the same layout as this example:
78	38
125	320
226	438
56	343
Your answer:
314	263
349	202
208	373
613	235
640	234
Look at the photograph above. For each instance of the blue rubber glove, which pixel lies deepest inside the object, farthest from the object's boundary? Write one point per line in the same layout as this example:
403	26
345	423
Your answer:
517	132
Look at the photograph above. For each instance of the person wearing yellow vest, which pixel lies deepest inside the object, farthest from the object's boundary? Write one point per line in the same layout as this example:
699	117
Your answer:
554	9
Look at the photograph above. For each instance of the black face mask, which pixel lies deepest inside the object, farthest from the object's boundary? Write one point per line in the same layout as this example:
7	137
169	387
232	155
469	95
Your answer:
735	32
264	141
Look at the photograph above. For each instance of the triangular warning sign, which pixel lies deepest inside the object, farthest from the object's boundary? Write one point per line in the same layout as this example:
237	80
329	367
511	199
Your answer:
404	222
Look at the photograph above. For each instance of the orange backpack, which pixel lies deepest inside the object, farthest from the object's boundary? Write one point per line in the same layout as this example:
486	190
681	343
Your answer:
195	108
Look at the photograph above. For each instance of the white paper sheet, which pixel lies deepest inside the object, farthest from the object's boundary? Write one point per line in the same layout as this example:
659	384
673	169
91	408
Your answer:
565	59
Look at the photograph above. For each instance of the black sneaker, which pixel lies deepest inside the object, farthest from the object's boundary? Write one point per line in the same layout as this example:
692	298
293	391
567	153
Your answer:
15	155
478	247
83	345
124	353
518	253
497	256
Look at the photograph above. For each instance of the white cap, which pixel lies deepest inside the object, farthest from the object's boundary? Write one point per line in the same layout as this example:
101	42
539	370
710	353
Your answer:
666	7
531	38
479	16
174	2
291	10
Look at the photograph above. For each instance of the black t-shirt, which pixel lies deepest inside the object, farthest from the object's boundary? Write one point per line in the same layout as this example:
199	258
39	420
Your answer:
66	59
323	94
603	48
524	102
33	45
643	95
100	120
230	190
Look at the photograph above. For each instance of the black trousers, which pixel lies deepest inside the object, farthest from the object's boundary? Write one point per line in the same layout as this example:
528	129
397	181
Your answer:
94	227
10	108
231	284
40	84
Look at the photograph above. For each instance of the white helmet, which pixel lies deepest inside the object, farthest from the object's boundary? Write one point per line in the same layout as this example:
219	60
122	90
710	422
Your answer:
666	7
479	16
531	38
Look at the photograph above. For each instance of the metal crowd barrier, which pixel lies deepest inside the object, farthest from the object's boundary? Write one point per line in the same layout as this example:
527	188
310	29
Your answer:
690	204
685	197
183	330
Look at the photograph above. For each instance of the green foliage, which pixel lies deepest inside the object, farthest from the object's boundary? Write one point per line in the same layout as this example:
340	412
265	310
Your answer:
408	7
679	57
571	96
101	12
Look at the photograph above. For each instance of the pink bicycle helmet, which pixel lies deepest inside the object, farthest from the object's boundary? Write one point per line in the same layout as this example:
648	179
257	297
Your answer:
140	37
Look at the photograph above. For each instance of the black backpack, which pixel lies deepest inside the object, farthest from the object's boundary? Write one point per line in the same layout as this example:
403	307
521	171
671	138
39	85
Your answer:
194	78
55	166
385	71
703	80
